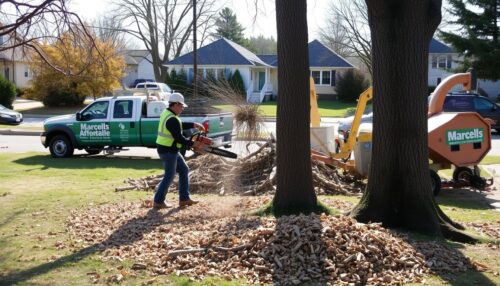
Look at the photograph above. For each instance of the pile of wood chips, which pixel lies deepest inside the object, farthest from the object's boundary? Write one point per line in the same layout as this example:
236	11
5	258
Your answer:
215	238
254	174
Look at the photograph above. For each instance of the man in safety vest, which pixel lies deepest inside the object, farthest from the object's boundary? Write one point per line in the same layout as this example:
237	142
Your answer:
169	141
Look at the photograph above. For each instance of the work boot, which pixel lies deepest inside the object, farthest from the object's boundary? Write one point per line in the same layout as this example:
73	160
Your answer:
186	203
163	205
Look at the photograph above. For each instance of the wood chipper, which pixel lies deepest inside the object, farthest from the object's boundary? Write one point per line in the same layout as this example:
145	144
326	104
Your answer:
456	139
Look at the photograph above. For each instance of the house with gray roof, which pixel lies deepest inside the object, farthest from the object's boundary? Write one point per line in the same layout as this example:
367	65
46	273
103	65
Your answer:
139	64
260	72
443	60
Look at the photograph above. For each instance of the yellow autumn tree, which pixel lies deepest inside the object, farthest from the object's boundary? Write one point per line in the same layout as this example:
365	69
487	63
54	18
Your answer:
80	67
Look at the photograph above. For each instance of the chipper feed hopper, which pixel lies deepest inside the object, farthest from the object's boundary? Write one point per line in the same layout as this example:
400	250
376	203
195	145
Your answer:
458	139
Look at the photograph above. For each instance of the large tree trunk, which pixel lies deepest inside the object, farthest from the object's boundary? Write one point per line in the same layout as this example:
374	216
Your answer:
399	193
294	178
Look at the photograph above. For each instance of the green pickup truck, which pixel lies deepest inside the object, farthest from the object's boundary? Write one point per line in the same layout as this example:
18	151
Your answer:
111	123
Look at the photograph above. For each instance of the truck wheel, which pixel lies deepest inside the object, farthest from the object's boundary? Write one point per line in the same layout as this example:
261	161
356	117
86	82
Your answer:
93	151
462	174
435	182
61	147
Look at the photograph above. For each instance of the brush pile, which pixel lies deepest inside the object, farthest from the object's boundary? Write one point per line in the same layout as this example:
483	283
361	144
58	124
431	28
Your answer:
254	174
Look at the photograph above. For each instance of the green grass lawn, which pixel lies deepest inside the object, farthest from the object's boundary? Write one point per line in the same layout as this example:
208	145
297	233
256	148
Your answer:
327	108
38	193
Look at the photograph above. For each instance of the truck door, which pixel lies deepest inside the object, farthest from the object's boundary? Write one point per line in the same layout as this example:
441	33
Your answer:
125	129
93	127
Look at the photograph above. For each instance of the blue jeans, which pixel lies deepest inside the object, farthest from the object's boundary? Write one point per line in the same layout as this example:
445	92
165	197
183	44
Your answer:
173	162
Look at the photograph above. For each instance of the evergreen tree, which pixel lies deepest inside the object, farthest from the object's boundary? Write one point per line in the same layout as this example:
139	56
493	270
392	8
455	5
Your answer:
229	28
236	81
262	46
480	43
350	85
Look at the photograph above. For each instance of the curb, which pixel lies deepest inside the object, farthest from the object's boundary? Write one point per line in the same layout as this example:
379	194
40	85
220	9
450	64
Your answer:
19	132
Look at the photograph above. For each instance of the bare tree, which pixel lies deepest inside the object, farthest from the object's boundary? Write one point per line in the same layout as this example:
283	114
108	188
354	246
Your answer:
25	24
334	35
347	30
109	29
164	26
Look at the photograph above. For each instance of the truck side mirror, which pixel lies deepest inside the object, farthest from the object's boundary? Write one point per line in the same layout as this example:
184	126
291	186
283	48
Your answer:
78	116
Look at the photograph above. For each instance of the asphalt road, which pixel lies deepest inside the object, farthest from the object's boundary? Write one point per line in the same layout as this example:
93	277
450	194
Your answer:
23	143
13	143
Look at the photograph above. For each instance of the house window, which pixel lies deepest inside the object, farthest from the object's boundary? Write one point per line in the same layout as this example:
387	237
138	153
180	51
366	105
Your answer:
325	77
441	61
322	77
26	72
316	75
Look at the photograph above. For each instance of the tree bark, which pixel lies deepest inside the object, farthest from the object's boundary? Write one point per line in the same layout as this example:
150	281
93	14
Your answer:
399	193
294	176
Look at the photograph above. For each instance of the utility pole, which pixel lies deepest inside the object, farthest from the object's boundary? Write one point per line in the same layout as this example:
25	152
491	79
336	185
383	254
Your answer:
195	53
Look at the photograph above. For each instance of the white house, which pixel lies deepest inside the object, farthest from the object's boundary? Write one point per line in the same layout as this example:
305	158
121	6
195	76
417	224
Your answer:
443	59
139	65
15	65
260	72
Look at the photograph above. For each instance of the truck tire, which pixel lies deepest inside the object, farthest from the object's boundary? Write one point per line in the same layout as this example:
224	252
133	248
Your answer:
60	147
93	151
435	182
462	173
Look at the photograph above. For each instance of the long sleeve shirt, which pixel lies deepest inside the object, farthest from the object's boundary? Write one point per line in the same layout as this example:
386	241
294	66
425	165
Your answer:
174	127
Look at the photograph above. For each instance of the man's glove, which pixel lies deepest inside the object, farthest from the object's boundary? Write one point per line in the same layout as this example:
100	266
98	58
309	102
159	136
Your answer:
199	127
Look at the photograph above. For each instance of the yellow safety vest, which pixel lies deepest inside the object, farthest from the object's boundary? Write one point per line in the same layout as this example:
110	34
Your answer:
165	138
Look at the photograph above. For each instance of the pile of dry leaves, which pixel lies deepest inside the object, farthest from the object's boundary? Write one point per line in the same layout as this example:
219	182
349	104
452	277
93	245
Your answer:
216	238
254	174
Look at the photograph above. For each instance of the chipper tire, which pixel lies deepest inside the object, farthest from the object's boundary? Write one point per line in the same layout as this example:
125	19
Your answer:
462	173
435	182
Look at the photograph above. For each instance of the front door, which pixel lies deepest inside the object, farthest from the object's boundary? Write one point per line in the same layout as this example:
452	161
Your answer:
262	80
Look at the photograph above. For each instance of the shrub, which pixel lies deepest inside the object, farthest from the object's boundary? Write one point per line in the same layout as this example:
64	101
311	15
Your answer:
26	93
350	85
57	96
236	82
7	92
177	81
